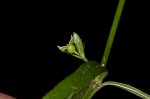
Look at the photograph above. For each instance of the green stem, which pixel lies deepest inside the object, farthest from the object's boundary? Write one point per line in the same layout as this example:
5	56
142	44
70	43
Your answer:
95	85
112	33
128	88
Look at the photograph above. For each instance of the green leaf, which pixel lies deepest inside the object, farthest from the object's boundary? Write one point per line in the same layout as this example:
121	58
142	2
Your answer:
76	82
78	44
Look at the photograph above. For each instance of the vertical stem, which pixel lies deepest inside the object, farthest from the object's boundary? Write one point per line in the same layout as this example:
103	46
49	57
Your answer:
112	32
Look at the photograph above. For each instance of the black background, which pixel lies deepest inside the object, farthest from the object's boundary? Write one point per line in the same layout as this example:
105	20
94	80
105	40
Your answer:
31	63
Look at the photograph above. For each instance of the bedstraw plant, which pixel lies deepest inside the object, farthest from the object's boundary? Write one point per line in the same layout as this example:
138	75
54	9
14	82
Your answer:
88	78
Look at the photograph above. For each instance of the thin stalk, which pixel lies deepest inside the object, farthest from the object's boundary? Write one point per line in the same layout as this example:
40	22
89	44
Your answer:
128	88
93	88
112	33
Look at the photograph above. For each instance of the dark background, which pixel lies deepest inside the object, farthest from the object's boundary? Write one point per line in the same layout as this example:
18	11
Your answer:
31	63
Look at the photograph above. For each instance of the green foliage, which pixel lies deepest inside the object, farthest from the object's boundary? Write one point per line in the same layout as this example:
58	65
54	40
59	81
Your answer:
87	79
79	44
74	43
76	82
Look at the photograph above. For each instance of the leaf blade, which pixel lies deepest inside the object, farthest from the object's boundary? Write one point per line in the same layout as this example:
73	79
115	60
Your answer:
77	81
78	44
